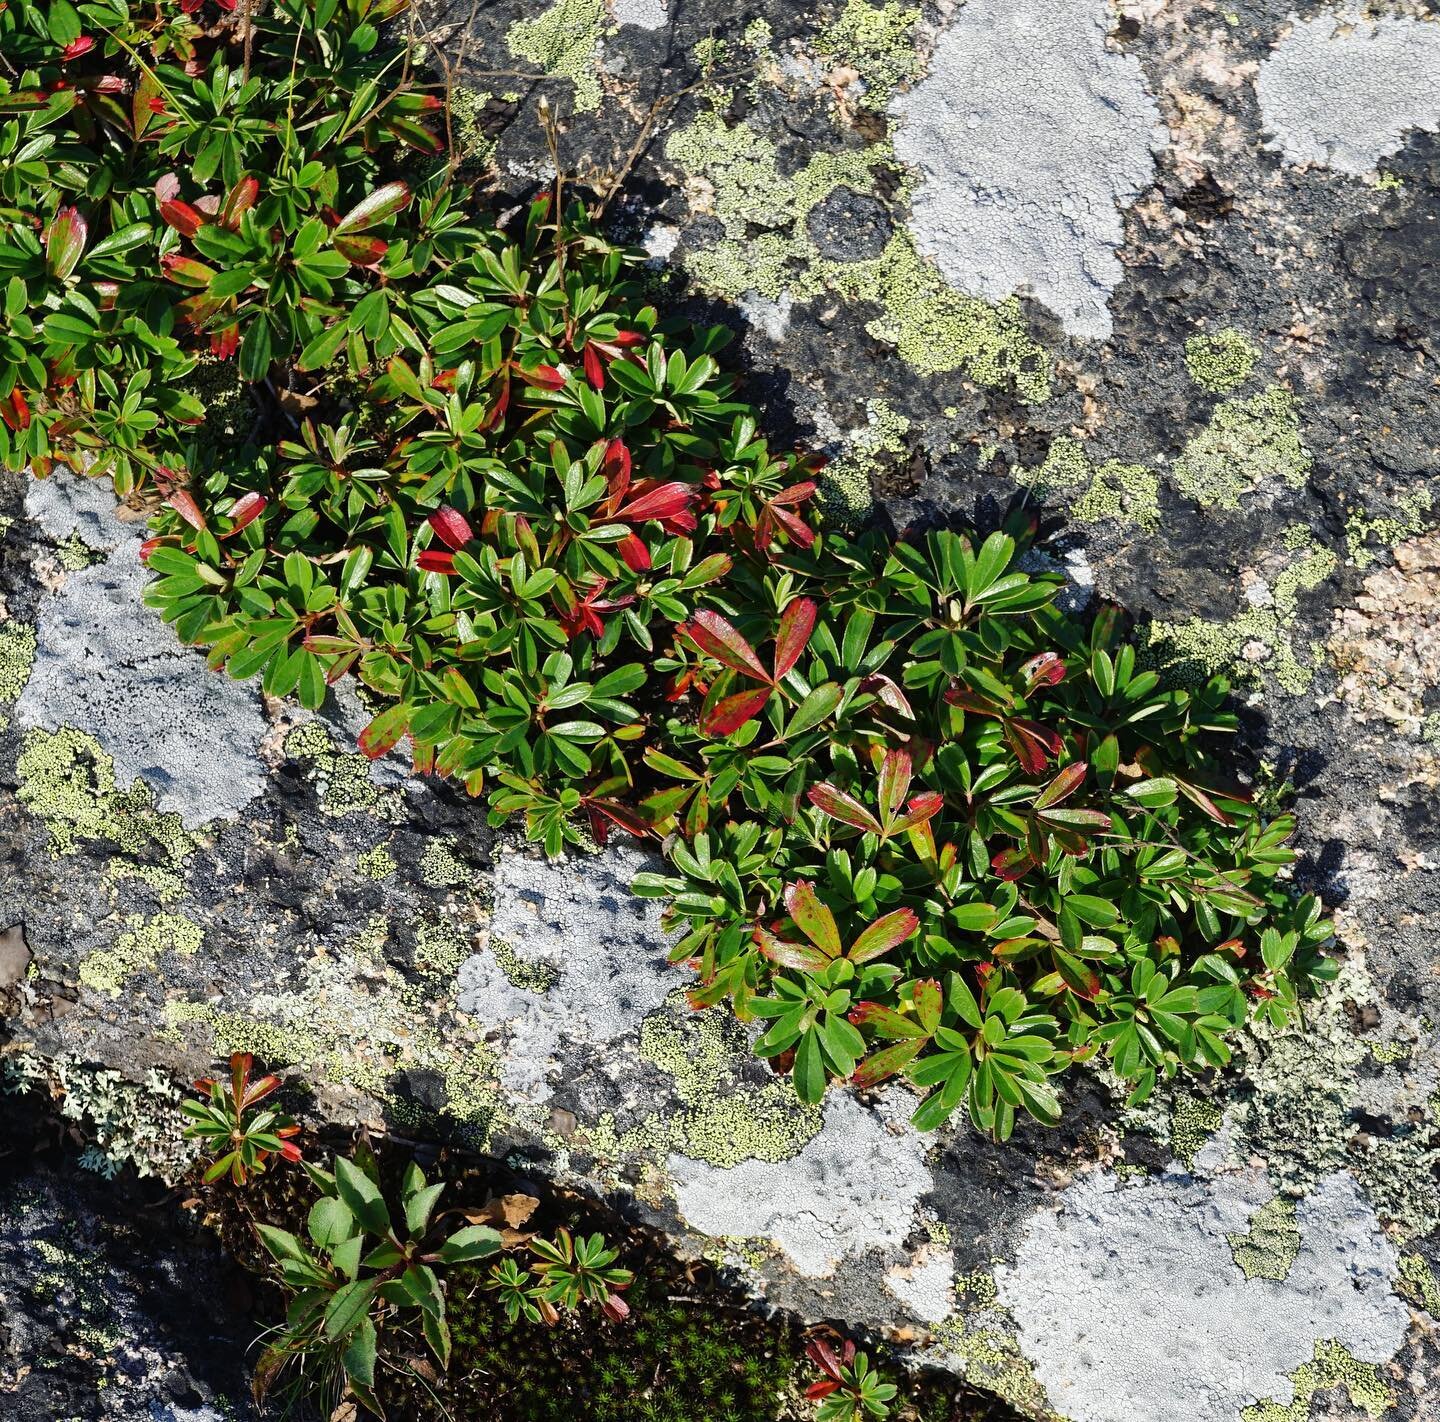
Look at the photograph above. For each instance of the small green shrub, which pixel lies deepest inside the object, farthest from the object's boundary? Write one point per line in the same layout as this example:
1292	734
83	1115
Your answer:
918	820
240	1135
850	1390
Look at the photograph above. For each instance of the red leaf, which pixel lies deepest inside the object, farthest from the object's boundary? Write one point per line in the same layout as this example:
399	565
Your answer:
544	377
247	509
797	622
714	635
362	251
186	220
83	45
619	814
921	810
812	917
728	715
789	955
14	411
167	186
615	466
452	527
797	528
883	935
1012	864
821	1389
594	367
634	552
615	1308
661	502
1033	744
626	339
187	508
64	242
240	199
839	806
1048	669
379	206
225	342
796	493
434	560
1063	786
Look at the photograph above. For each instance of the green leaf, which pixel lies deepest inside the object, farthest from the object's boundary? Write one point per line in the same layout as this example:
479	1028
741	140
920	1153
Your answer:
472	1242
362	1196
349	1306
359	1355
809	1070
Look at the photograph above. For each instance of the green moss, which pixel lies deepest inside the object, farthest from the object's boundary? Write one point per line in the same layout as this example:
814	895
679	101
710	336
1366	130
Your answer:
1417	1283
878	42
1113	493
1267	1248
1193	1121
68	781
1222	362
1361	529
565	41
17	656
522	972
137	950
377	863
440	867
932	327
1332	1367
1248	443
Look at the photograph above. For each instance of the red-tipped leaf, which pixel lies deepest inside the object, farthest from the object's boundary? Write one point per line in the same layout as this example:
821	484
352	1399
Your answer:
186	220
247	509
451	526
839	805
797	622
799	956
731	712
812	917
1063	786
884	935
379	206
720	639
64	242
187	508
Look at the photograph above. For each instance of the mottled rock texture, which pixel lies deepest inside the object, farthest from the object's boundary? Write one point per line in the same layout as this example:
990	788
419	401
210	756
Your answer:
1118	258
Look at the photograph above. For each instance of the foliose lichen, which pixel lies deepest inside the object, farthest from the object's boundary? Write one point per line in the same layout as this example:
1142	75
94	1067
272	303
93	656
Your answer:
341	780
1193	1120
1113	492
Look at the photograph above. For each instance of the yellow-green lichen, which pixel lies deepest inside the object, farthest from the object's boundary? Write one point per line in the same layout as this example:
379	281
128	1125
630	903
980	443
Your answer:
723	1122
377	863
877	42
522	972
166	885
1222	362
473	148
1362	529
342	781
1247	444
1190	653
68	782
1387	182
932	327
564	41
845	482
994	1362
1417	1283
440	866
1267	1248
1333	1366
137	950
440	948
17	655
1193	1121
1114	492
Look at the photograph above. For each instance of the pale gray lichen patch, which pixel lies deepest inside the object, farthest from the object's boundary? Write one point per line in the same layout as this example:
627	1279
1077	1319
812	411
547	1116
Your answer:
925	1284
604	947
853	1187
1342	92
1032	136
108	666
1151	1263
646	14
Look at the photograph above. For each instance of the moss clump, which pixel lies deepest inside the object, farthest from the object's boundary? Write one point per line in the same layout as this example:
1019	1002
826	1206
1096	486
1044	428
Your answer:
878	42
1248	443
564	41
1332	1367
1113	493
138	949
1192	1122
1222	362
68	782
1267	1249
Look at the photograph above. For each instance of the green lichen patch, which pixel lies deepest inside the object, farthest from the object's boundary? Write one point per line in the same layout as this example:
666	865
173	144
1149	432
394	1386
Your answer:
530	976
17	656
441	867
991	1357
1332	1367
845	483
1267	1249
1222	362
1362	530
564	41
878	42
137	950
1113	492
1193	1121
1418	1284
377	863
440	948
342	781
166	886
68	782
1247	444
1258	641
